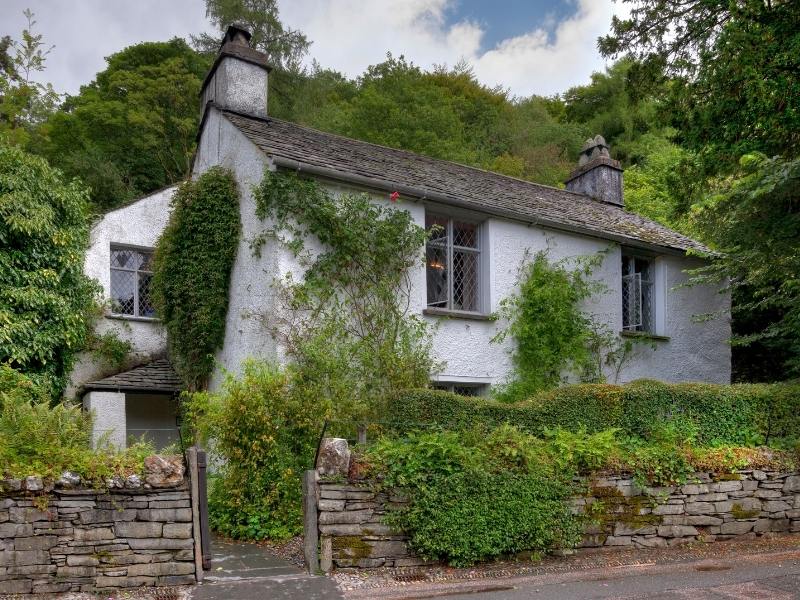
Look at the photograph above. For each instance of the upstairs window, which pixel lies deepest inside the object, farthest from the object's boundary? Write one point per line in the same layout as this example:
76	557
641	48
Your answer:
452	264
638	297
131	276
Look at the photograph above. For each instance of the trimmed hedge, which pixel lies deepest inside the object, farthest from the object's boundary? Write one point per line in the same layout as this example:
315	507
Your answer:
741	414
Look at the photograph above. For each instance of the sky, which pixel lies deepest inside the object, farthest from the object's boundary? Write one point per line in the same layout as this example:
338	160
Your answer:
526	46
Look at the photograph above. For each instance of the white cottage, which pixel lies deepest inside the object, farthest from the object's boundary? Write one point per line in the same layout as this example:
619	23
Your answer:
491	221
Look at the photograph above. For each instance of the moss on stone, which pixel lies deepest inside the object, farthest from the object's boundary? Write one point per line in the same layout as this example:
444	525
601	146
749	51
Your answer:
740	513
612	506
351	546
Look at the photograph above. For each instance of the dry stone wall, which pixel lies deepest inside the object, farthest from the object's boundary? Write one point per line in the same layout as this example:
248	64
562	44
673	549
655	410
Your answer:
68	540
748	503
707	509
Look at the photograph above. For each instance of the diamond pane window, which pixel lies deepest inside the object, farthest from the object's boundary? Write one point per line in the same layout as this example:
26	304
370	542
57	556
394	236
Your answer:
131	275
452	261
637	294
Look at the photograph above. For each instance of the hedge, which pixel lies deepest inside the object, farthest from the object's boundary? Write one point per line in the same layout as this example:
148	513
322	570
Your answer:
740	414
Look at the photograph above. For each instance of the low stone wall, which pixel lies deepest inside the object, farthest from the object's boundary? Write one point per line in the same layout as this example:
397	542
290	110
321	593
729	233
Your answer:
349	516
71	539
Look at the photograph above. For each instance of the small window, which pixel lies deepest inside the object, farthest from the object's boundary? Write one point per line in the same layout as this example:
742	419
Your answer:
462	389
638	278
131	277
452	264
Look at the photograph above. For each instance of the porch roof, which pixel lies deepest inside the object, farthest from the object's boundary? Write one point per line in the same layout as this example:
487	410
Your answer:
157	376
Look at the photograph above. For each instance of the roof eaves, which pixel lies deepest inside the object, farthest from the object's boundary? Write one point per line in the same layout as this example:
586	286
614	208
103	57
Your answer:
422	194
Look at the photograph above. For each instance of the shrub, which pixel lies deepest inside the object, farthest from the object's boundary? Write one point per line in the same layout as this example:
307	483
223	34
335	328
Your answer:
475	516
192	271
475	497
741	414
40	439
45	298
262	431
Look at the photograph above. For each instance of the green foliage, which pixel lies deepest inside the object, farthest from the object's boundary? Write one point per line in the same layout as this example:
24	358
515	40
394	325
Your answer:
43	439
754	220
263	429
480	516
550	332
108	349
132	130
346	326
24	103
285	47
45	299
743	414
579	450
476	498
192	270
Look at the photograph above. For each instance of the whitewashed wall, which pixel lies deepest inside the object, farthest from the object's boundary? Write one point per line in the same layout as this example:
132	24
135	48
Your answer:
137	224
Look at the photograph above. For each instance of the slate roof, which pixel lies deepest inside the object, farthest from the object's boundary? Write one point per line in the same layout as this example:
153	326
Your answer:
448	182
157	377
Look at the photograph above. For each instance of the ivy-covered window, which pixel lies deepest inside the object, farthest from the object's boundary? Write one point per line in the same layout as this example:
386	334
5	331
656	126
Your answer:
453	263
638	297
131	275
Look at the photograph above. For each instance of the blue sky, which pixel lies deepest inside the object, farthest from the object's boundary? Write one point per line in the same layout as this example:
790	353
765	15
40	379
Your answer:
505	19
526	46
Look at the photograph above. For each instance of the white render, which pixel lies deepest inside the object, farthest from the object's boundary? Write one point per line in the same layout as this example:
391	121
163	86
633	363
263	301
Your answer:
138	225
108	410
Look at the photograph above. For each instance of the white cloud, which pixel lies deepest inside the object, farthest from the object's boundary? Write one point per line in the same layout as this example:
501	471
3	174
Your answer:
349	35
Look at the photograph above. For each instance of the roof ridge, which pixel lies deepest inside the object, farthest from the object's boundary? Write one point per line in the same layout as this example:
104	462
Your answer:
409	152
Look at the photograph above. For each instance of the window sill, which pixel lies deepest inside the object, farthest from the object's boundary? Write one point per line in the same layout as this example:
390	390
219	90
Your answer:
456	314
645	335
133	318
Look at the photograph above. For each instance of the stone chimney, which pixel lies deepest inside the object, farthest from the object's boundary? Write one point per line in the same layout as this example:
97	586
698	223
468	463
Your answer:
238	78
598	175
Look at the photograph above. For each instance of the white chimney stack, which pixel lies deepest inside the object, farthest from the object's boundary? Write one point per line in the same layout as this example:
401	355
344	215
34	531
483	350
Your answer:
237	80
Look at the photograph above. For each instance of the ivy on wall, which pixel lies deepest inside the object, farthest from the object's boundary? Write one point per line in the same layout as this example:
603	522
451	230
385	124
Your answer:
347	325
192	271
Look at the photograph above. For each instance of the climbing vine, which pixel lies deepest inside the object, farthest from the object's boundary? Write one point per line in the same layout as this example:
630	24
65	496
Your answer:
192	271
346	323
552	335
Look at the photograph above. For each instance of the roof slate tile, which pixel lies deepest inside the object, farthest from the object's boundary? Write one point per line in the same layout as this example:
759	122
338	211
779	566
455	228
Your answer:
468	186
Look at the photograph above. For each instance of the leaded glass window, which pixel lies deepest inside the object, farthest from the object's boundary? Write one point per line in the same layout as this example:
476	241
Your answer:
131	277
452	261
637	294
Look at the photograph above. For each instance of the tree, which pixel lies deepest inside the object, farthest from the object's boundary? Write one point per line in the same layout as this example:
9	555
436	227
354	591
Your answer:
734	99
754	219
24	103
132	130
45	298
285	47
734	66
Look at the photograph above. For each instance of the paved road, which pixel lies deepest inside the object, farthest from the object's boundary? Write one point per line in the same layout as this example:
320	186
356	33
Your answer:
242	571
770	576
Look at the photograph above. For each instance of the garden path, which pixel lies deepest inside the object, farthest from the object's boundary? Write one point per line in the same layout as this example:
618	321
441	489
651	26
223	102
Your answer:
245	571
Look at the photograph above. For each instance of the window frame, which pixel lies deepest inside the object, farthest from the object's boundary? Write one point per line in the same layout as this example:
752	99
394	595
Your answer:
120	315
657	303
478	251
